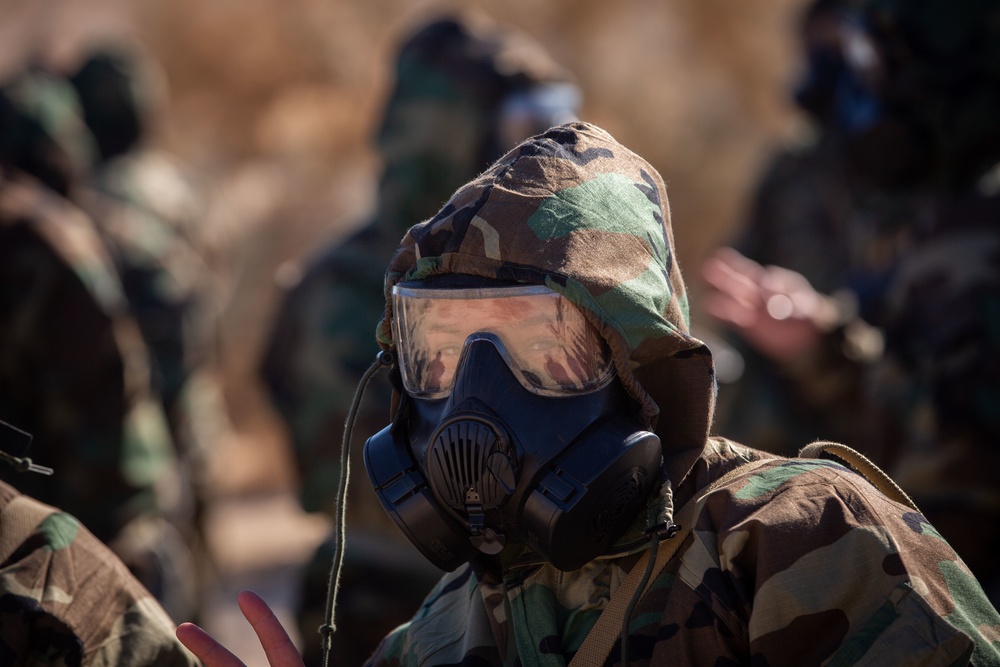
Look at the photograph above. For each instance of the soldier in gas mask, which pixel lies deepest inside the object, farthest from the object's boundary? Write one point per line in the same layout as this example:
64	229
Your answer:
466	90
549	449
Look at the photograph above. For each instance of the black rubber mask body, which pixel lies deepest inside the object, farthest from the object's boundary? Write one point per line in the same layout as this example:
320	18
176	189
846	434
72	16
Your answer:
495	464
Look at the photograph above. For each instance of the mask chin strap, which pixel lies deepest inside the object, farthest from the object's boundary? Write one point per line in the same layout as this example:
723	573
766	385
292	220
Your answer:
384	359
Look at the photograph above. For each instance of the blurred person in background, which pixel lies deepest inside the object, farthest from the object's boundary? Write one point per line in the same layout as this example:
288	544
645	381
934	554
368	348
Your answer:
904	207
102	616
149	210
151	216
805	226
466	89
76	371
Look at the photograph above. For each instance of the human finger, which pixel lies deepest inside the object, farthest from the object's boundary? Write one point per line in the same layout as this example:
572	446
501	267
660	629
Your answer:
277	645
779	280
205	647
725	308
736	278
739	263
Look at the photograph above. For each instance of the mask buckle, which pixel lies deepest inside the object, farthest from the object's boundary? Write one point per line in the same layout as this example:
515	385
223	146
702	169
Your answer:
483	538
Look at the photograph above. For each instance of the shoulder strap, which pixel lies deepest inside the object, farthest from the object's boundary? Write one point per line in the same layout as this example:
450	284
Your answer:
602	637
18	520
861	464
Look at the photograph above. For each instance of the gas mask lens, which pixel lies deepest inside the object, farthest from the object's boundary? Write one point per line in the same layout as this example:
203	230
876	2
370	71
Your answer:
548	344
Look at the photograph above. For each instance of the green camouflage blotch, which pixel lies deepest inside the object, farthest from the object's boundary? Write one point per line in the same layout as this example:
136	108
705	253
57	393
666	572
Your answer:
855	647
424	267
545	617
970	618
59	530
685	306
926	528
771	479
612	204
146	446
609	203
649	288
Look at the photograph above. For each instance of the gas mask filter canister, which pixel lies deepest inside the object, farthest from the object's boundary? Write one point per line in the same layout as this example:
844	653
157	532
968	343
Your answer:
513	428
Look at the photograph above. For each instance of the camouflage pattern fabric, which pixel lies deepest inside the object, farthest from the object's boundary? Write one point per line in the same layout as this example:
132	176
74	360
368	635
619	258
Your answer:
937	387
921	263
798	562
148	213
74	372
147	210
439	129
937	390
163	275
144	210
65	599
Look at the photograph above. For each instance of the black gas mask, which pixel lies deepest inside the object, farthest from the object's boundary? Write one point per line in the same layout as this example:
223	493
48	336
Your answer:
513	428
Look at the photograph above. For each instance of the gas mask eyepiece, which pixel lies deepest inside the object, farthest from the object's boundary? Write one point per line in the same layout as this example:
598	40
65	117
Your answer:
513	428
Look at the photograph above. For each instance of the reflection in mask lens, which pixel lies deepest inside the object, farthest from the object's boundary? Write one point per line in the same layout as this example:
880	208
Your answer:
546	341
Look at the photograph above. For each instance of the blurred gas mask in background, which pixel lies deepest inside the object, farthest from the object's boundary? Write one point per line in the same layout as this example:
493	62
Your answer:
530	111
912	89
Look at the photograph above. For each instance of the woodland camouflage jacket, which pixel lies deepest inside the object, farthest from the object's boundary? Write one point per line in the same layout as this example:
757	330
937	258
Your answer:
797	562
65	600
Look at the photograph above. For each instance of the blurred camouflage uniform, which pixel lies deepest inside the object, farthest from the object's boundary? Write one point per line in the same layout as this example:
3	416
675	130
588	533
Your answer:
790	562
936	390
809	215
465	90
75	370
65	599
918	133
148	213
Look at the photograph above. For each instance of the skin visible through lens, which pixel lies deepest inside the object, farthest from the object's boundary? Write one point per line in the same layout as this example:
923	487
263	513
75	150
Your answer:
546	336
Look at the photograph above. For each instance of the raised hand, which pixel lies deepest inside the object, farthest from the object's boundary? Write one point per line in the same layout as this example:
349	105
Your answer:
278	648
774	309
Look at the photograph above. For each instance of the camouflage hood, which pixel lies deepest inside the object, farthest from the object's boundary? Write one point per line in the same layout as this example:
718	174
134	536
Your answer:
576	211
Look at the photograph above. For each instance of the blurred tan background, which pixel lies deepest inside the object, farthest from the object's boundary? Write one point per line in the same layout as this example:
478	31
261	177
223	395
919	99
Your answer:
272	105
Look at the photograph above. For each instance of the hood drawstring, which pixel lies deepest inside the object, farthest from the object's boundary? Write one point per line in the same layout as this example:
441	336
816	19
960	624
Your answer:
661	527
25	464
14	439
384	359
